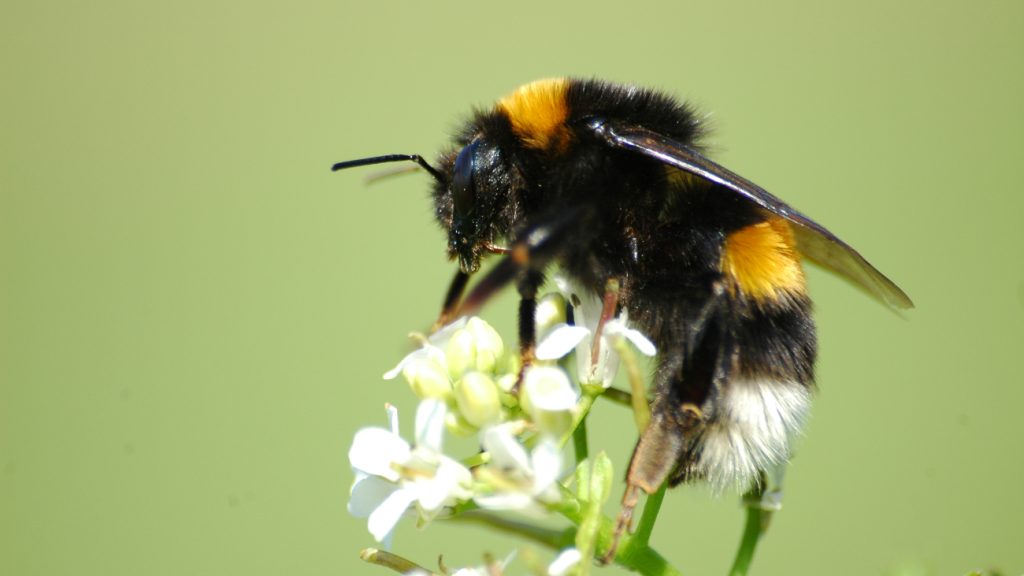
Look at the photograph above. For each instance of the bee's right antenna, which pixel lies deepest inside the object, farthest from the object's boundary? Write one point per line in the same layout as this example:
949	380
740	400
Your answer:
392	158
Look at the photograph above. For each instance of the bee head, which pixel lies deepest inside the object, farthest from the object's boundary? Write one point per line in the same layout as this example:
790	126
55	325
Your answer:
471	201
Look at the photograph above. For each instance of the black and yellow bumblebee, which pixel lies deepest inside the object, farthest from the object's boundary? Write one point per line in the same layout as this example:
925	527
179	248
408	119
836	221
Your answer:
610	183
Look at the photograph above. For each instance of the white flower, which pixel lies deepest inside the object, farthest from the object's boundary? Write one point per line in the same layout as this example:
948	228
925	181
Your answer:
547	388
564	338
467	345
517	480
550	399
426	368
566	561
392	476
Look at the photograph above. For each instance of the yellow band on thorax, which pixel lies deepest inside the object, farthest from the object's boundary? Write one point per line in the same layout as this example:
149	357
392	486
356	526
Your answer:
538	112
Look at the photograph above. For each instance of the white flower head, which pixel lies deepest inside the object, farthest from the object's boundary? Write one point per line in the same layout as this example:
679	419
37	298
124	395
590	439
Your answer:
514	478
392	476
465	346
550	398
564	338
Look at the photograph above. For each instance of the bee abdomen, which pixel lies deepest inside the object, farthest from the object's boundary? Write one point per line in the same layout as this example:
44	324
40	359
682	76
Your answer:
761	264
751	430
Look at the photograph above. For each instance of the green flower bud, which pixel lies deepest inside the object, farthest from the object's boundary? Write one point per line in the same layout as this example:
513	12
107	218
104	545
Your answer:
427	378
550	312
593	486
478	399
489	347
457	425
507	370
546	388
476	347
551	423
460	353
549	398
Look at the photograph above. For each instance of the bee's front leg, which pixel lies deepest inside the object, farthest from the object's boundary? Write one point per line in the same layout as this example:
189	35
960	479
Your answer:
528	286
451	300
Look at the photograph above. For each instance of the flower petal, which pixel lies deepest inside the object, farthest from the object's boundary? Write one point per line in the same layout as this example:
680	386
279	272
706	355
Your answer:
505	450
565	561
433	348
368	492
550	313
546	460
548	388
430	415
446	487
383	520
390	374
560	342
374	450
440	338
392	418
619	328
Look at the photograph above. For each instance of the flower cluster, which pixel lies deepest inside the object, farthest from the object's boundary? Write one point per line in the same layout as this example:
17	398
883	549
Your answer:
469	384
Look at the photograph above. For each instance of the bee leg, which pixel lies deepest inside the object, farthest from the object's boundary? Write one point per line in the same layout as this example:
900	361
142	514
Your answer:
524	263
451	300
689	379
530	253
528	287
660	448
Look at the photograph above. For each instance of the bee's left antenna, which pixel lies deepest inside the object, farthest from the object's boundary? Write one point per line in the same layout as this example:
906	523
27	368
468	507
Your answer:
392	158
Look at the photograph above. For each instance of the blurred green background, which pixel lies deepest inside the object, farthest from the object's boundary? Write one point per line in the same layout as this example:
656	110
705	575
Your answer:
195	312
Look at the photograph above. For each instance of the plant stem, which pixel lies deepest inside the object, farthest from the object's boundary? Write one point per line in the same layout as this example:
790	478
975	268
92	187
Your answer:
554	539
650	516
633	553
756	525
579	442
618	396
590	393
641	410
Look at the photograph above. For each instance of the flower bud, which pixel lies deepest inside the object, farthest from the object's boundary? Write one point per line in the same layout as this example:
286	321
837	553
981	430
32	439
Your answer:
549	398
547	388
427	378
550	312
478	399
489	347
458	426
477	347
551	423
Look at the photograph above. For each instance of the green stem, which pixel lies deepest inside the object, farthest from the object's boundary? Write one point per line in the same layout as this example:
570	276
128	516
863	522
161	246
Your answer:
554	539
638	398
757	524
650	516
590	393
632	553
618	396
579	442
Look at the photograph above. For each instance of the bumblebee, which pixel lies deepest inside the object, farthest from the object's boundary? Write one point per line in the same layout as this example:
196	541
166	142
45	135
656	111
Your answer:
610	183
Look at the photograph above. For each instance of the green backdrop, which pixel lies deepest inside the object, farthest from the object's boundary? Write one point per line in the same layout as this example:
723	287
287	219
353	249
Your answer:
195	312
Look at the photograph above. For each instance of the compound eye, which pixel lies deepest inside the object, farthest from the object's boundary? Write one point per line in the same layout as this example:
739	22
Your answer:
463	188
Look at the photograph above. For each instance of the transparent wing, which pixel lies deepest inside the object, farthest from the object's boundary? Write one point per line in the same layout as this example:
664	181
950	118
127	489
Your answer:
813	240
